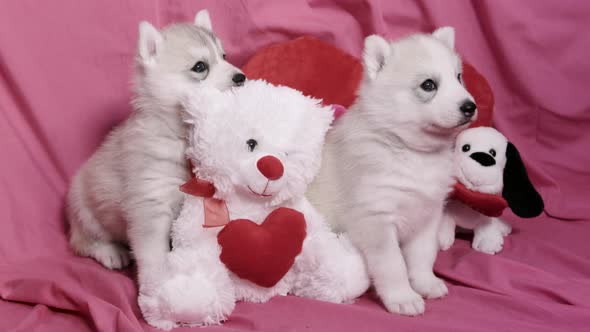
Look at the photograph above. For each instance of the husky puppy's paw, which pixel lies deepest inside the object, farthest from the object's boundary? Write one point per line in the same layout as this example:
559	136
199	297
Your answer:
430	287
446	238
404	302
113	256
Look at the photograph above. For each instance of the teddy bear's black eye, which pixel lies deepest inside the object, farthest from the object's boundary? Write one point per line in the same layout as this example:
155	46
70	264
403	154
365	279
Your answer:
493	152
199	67
466	148
428	85
459	78
251	144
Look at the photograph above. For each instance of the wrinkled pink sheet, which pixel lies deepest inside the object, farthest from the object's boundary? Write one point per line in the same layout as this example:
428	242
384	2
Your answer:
65	67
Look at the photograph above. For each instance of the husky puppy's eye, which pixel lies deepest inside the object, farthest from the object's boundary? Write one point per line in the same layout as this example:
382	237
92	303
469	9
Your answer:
466	148
493	152
252	144
428	85
200	67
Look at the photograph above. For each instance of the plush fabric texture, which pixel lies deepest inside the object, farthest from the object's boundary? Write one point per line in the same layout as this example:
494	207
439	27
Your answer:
64	73
263	253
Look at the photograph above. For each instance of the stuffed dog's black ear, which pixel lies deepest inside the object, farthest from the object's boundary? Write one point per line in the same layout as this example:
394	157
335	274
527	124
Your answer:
518	190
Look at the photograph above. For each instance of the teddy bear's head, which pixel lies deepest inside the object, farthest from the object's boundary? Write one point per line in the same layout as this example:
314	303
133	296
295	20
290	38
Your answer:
257	142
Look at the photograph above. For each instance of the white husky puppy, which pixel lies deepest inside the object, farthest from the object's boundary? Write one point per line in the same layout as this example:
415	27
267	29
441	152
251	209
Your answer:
128	191
387	166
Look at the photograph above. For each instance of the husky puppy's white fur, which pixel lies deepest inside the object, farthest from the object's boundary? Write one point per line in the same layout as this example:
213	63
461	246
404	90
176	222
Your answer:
127	193
387	166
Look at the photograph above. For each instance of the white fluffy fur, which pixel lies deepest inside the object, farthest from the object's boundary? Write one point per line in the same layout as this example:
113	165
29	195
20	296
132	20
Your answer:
128	191
489	232
387	164
196	287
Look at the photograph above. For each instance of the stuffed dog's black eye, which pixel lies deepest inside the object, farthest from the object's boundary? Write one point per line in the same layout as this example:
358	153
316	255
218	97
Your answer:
466	148
428	85
493	152
200	67
251	144
459	77
223	56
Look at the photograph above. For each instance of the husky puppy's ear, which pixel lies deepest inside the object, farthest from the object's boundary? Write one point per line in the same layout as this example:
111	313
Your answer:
202	20
445	35
376	51
518	190
150	42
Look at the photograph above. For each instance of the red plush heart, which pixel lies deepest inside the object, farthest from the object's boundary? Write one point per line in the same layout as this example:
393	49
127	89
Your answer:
487	204
263	253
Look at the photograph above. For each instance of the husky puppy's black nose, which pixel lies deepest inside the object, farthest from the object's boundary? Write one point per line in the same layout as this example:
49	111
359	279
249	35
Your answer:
239	79
483	159
468	108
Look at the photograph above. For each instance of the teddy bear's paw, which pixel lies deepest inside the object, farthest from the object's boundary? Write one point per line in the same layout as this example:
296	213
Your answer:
489	238
430	287
152	312
337	275
191	300
355	277
161	324
403	301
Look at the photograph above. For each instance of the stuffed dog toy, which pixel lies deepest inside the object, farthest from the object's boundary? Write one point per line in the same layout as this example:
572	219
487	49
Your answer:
246	231
491	176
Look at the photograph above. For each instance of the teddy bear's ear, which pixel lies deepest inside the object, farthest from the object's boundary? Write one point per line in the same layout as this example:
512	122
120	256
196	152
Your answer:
320	117
328	114
195	106
518	190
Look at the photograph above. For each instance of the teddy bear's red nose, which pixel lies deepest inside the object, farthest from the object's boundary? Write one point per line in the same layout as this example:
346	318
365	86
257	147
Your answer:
271	167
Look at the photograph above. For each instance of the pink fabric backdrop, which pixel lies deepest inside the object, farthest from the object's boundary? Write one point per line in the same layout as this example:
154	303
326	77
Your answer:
65	67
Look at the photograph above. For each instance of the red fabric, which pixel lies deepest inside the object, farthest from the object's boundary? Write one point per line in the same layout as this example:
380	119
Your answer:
487	204
64	83
215	211
198	187
271	167
263	253
299	64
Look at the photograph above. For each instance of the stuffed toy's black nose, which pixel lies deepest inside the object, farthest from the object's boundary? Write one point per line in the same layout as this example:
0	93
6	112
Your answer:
483	159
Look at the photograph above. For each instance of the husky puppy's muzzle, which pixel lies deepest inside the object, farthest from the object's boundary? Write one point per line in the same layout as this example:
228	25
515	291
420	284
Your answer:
239	79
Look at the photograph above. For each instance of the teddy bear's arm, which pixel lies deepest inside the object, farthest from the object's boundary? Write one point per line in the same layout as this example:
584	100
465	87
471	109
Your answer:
188	229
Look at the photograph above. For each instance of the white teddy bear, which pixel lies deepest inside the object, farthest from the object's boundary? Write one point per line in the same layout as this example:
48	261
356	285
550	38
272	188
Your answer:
246	231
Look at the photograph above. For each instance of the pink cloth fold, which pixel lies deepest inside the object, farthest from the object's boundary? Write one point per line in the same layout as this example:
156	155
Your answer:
64	83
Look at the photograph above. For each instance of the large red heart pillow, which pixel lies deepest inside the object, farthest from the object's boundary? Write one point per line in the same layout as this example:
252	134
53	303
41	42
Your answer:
321	70
263	253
